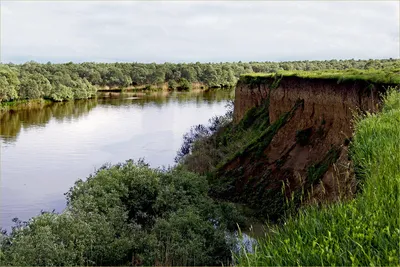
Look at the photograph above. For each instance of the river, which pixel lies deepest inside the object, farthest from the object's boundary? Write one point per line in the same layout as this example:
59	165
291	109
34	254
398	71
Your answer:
45	150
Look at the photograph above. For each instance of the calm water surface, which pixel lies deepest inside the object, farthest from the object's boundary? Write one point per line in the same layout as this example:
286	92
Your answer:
44	151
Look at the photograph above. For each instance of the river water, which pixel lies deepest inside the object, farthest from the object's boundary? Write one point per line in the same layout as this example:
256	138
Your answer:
45	150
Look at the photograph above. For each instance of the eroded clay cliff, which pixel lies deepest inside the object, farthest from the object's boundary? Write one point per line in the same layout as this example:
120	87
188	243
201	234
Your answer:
304	153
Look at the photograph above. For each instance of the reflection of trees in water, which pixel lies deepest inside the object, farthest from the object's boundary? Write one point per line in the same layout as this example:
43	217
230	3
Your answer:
161	98
38	115
12	121
72	110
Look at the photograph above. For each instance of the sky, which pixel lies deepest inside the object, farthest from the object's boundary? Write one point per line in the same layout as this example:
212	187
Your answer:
191	31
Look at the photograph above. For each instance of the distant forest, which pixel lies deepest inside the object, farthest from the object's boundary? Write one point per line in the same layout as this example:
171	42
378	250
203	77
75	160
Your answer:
59	82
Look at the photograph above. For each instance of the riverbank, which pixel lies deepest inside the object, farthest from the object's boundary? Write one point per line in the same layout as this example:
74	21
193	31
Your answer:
289	137
289	147
360	232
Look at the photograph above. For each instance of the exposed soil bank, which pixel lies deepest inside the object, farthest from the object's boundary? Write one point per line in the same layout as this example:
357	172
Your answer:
303	151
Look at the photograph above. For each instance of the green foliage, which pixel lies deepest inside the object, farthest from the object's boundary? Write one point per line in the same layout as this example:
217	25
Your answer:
205	146
184	85
384	76
172	85
34	86
8	84
260	143
316	171
61	92
212	75
360	232
128	214
115	77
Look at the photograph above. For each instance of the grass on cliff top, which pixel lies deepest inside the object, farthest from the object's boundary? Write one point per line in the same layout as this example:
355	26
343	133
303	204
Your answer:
391	76
363	231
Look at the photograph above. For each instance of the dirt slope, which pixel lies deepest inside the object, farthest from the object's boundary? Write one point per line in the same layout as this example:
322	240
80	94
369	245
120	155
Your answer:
304	151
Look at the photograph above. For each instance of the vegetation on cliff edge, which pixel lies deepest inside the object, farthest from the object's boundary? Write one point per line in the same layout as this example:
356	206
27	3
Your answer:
389	76
360	232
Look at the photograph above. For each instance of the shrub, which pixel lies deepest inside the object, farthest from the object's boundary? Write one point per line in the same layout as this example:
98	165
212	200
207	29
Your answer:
172	85
202	138
184	85
128	214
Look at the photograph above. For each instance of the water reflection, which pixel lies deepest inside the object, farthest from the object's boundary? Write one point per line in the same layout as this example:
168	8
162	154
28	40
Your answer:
45	150
13	122
160	98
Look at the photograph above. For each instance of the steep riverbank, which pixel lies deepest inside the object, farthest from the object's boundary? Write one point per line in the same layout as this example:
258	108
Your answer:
360	232
297	141
289	138
305	145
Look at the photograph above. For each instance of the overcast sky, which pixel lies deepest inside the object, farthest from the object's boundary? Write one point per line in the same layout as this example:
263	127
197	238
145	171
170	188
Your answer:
190	31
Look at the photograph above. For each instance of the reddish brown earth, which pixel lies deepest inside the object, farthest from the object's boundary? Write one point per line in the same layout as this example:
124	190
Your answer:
326	118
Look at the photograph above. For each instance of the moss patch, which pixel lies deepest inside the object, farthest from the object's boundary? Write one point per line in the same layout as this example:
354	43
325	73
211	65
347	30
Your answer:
316	171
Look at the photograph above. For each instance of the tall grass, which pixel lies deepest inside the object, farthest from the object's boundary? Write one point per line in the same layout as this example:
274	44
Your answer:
384	76
363	231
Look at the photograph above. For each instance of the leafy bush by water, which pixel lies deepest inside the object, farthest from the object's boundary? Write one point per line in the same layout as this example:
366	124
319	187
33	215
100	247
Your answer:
128	214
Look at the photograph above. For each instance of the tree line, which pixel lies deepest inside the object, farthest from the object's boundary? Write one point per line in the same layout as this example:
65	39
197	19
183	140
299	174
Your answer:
67	81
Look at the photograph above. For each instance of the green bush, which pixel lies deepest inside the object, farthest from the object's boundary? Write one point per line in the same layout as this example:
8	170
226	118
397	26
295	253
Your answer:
184	85
128	214
172	85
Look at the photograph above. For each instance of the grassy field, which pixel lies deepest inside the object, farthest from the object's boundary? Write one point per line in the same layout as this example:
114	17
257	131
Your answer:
363	231
384	76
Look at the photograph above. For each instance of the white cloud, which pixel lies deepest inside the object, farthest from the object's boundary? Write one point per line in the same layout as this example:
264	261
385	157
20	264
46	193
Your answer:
197	31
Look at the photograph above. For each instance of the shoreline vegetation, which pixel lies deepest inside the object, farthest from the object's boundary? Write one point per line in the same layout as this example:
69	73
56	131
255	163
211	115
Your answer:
131	214
69	81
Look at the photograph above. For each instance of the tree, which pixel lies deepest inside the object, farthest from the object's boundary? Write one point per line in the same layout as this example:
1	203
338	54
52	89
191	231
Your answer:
210	76
138	75
34	86
189	73
184	85
61	92
158	77
115	77
8	83
172	84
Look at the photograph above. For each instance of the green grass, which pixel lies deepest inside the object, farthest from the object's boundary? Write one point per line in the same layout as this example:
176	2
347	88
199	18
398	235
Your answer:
385	76
363	231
